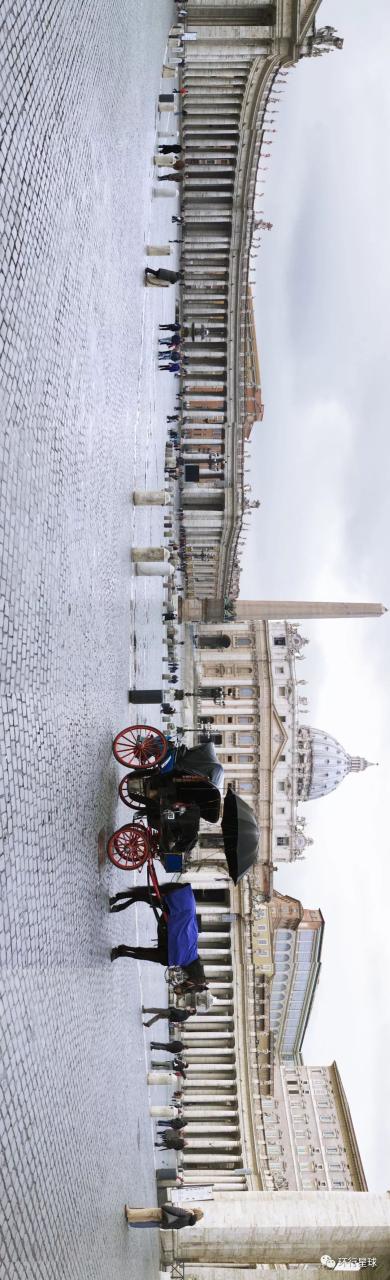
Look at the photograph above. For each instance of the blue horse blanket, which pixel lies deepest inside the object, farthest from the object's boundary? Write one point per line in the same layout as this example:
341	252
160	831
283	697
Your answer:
182	926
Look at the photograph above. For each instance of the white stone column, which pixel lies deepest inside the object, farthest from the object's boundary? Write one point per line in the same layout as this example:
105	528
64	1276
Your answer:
287	1227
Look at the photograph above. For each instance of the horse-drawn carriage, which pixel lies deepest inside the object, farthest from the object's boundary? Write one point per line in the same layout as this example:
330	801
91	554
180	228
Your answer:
170	788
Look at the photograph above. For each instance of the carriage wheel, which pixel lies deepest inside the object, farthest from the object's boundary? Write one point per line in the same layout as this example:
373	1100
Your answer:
128	848
140	746
130	798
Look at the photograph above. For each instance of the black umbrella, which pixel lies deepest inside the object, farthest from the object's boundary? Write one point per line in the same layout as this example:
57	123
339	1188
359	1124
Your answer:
240	835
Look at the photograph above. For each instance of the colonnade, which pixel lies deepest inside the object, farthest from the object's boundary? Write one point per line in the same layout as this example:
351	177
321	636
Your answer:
213	434
210	1098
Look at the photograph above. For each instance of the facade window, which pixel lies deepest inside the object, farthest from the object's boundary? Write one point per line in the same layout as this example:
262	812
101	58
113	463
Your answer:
280	808
280	786
245	691
282	691
242	640
280	640
282	841
279	671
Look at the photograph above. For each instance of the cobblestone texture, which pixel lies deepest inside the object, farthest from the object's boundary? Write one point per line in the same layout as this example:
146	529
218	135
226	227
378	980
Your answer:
80	425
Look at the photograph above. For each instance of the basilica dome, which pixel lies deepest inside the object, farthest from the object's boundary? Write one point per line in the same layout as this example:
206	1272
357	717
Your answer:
322	763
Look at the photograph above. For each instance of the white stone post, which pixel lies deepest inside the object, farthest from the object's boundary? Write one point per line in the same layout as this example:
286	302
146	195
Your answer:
160	568
151	498
158	250
149	554
163	1113
162	1077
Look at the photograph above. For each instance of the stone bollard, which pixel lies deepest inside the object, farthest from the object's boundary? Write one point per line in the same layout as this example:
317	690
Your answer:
151	498
149	554
157	570
162	1077
163	1113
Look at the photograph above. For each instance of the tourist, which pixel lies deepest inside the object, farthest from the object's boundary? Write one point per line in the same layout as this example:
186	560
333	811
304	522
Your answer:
169	1217
171	1014
171	1142
170	177
168	148
170	1046
162	276
177	1122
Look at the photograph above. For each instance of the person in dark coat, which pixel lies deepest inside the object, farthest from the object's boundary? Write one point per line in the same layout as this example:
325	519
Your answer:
162	275
171	1142
171	177
169	1046
172	1014
177	1122
170	148
178	1065
170	1216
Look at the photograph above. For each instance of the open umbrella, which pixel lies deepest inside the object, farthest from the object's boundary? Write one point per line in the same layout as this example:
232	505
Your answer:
240	835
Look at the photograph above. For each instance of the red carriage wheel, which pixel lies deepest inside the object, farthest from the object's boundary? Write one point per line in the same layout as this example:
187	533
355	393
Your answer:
128	847
140	747
130	798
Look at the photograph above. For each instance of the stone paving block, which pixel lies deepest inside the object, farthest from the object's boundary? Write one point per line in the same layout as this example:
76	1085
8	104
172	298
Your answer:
81	424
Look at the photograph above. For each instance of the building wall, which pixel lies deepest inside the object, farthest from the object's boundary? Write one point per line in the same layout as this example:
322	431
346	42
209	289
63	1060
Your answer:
316	1129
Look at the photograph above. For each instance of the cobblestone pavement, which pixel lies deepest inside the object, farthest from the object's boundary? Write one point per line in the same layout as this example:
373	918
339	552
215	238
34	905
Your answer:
81	421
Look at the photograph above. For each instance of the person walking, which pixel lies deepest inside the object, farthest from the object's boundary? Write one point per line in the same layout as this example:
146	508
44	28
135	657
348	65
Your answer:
169	1046
169	1217
171	1142
177	1122
170	177
162	276
178	1065
170	1014
175	327
172	367
170	148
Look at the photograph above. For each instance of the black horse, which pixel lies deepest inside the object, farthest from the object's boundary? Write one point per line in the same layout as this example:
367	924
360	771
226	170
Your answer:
195	975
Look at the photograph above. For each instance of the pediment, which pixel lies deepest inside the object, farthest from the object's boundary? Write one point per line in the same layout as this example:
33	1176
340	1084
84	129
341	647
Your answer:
279	737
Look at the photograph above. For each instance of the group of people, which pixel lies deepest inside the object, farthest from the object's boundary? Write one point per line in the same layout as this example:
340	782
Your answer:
170	353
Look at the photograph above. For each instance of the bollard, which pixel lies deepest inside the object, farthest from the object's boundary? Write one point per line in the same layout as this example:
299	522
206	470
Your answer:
147	554
162	1077
163	1112
151	498
158	569
146	695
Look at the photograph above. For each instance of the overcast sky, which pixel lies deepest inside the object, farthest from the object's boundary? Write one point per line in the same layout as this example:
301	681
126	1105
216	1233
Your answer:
321	467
